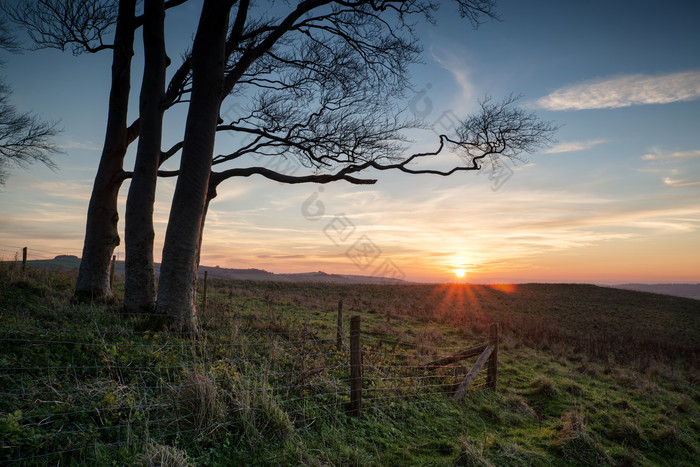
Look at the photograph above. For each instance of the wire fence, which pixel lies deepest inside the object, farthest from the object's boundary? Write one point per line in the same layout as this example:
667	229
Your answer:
81	384
14	253
78	384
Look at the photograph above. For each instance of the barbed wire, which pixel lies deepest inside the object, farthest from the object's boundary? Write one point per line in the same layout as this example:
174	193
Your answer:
75	379
31	252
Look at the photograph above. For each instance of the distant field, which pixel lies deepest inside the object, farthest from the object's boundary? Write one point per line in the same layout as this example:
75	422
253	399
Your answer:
678	290
630	324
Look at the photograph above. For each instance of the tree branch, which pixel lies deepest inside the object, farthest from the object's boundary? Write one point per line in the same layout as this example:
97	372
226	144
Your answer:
58	24
218	177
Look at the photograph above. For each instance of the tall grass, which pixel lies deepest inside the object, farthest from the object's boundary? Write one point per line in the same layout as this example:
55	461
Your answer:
606	324
264	383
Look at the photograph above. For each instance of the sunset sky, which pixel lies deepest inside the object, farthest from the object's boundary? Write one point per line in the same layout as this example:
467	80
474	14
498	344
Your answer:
616	199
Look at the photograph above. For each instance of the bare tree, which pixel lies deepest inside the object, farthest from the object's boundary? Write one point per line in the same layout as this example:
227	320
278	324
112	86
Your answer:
139	288
24	138
320	86
85	26
183	233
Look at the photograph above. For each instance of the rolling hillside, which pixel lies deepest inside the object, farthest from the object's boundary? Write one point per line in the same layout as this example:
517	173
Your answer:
587	376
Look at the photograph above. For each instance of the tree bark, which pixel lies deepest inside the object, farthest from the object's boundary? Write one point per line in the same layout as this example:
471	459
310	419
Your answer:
211	194
178	273
140	284
101	234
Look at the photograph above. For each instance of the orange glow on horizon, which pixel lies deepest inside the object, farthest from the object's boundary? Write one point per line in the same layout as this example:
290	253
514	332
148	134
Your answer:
506	288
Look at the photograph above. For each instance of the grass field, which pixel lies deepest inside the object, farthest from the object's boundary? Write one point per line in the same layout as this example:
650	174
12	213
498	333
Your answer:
587	376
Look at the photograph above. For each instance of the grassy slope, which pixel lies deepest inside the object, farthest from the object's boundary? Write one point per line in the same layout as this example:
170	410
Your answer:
558	401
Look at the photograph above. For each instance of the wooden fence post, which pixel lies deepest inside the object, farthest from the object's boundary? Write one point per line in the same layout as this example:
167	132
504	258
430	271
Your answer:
24	259
492	372
204	292
339	331
355	368
471	374
111	271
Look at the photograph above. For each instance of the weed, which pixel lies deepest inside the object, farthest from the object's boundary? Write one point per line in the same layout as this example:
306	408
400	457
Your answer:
544	386
626	431
668	436
159	455
624	404
257	410
577	445
471	455
573	388
201	403
517	404
685	405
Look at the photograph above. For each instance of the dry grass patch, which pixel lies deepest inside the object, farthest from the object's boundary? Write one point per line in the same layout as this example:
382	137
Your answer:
201	402
544	386
159	455
576	444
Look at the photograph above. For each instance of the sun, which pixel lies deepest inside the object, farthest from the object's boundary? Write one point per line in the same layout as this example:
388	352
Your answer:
460	273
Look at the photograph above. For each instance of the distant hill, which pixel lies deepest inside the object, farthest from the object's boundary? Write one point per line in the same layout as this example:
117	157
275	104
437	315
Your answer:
676	290
73	262
318	276
59	262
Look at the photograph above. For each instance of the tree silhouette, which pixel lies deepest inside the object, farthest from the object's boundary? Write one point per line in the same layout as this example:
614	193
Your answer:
84	26
24	138
320	85
316	83
140	285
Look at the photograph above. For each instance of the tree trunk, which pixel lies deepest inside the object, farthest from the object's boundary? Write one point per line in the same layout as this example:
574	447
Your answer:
178	273
211	194
140	286
101	234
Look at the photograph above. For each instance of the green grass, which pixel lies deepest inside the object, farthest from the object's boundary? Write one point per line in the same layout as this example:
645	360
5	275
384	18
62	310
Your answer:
264	384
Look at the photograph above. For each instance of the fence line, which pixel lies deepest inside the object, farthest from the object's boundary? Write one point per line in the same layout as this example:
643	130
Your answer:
74	379
31	253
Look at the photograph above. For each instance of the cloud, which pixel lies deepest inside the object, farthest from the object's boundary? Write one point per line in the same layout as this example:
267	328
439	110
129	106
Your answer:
624	91
679	168
70	190
459	70
72	144
573	146
657	155
282	256
681	182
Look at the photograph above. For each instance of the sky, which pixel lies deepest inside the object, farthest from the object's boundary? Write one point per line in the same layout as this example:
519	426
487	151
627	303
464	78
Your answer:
615	199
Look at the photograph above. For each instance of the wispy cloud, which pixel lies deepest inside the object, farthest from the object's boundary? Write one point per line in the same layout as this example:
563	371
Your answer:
679	168
73	144
531	223
461	73
573	146
681	182
624	91
658	155
73	190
